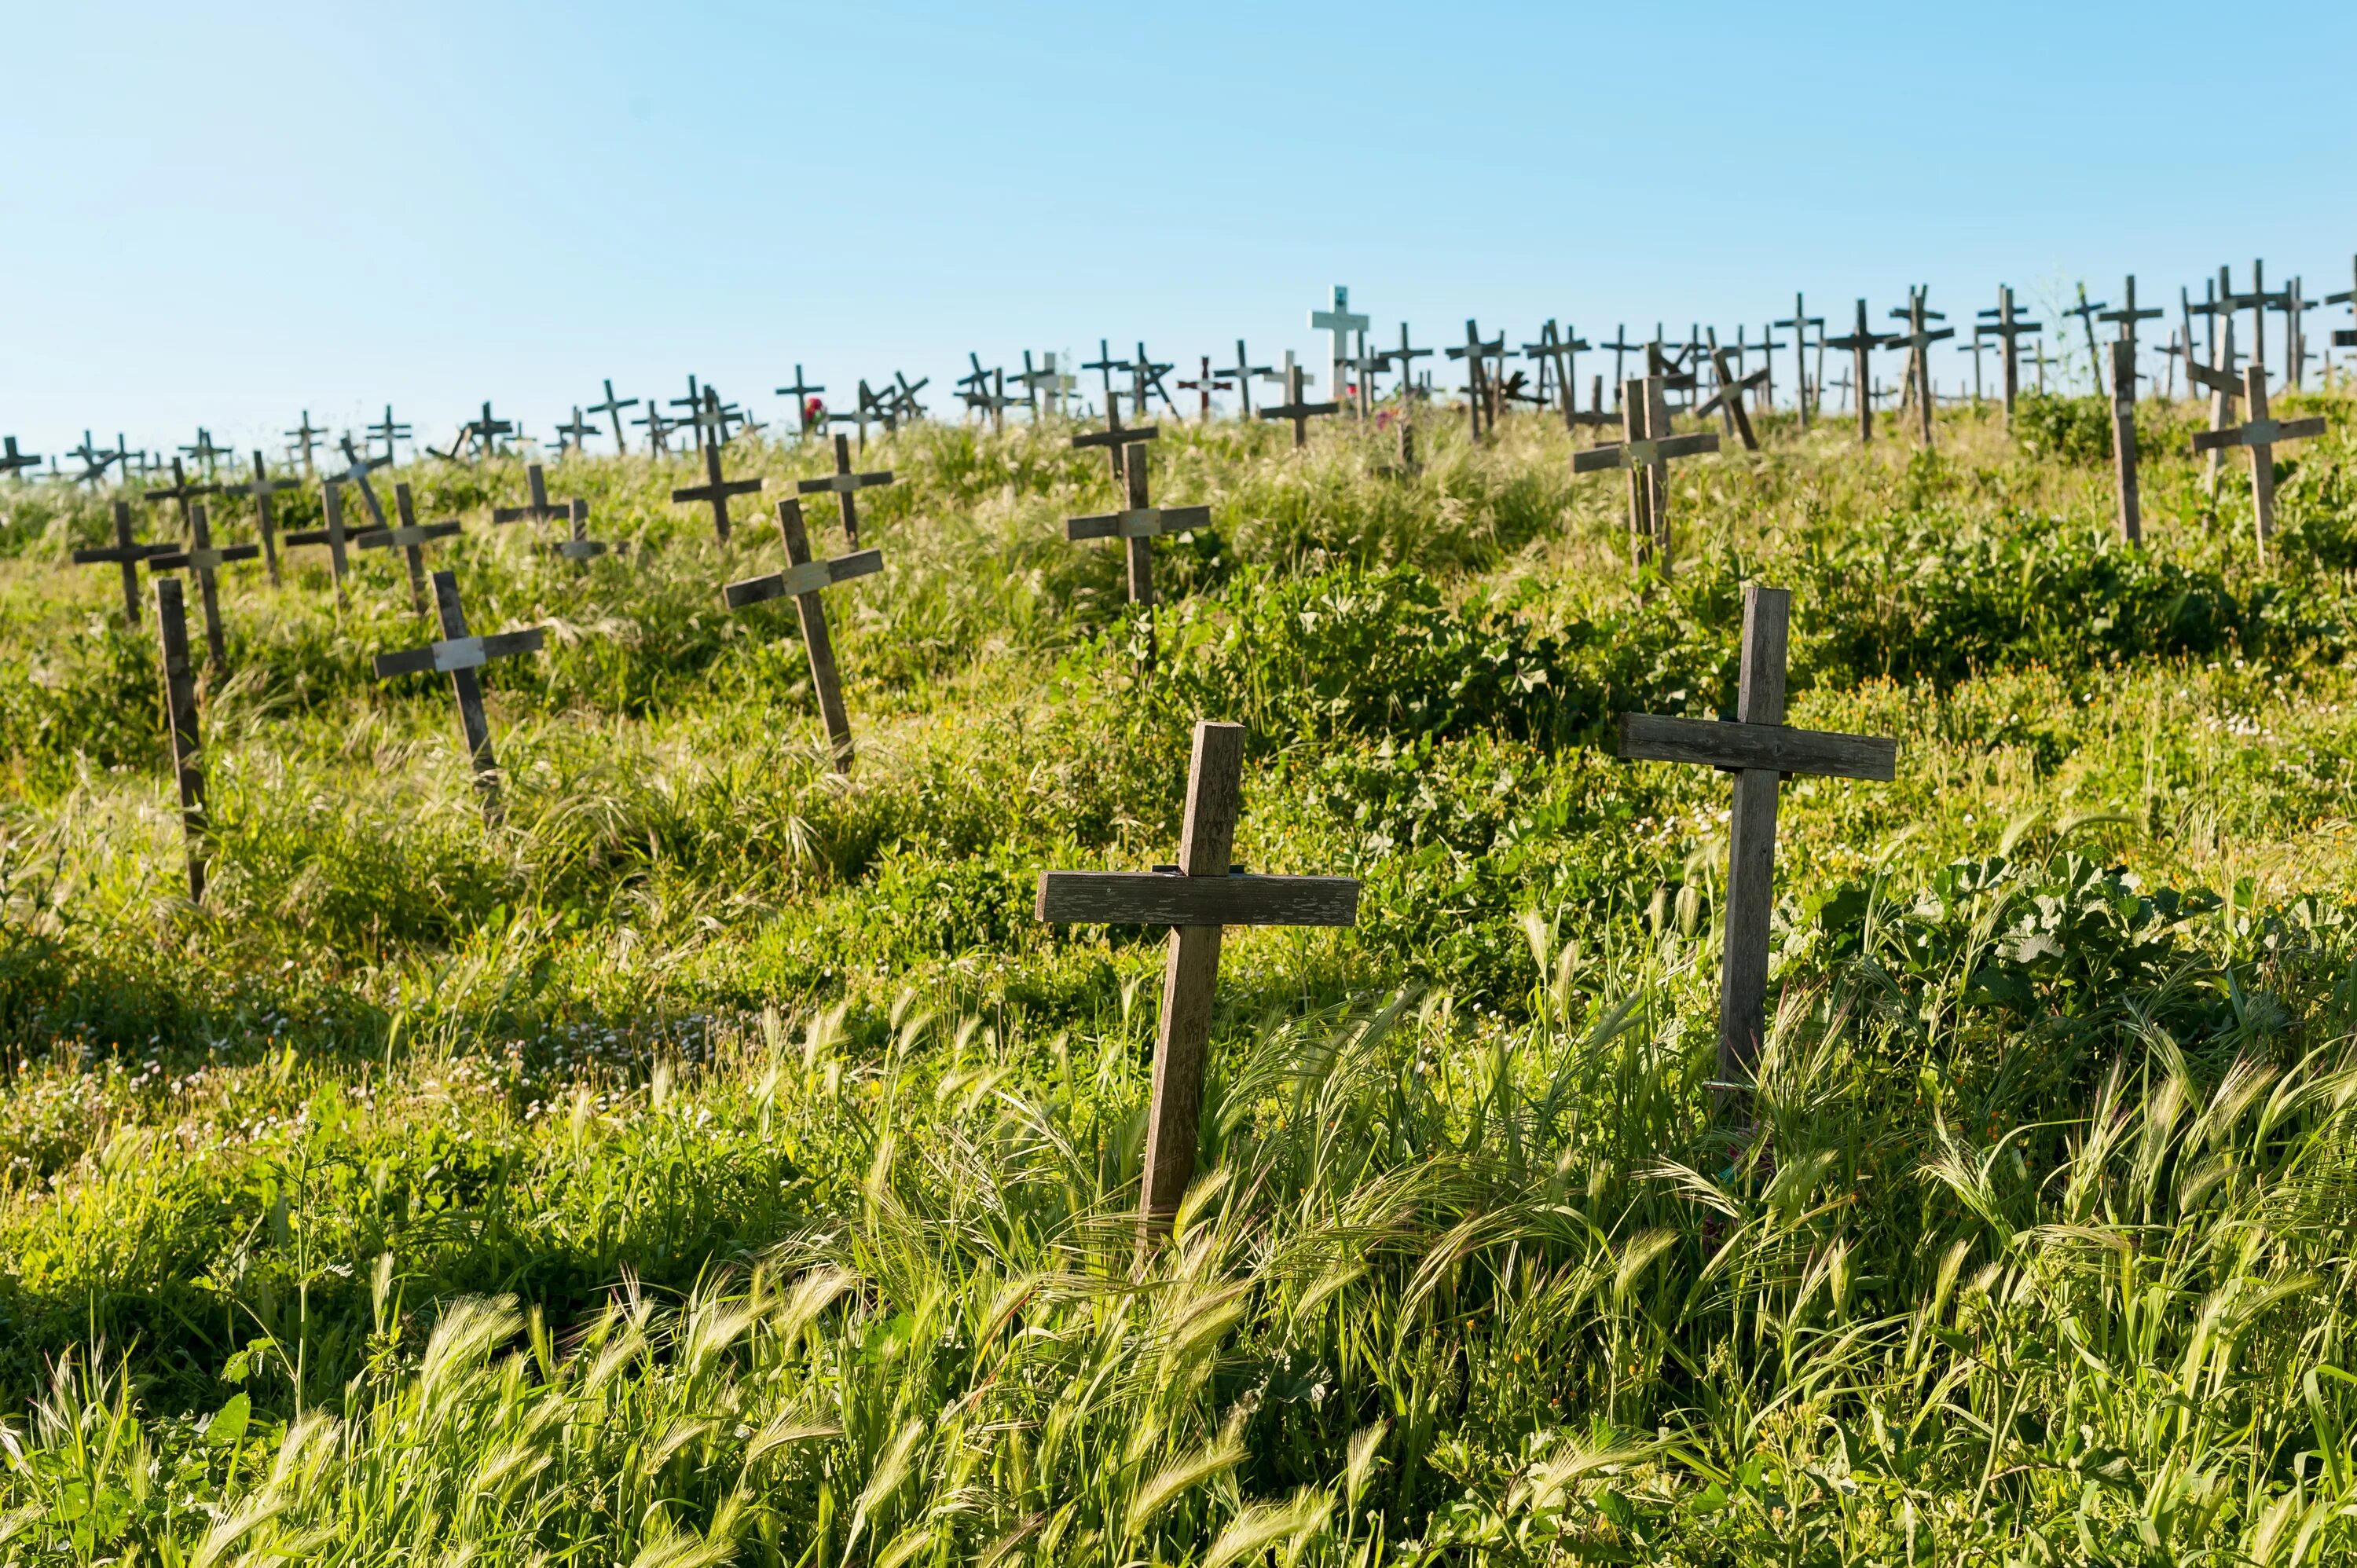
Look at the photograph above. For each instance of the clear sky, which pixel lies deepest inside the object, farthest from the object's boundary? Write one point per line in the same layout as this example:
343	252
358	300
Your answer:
226	215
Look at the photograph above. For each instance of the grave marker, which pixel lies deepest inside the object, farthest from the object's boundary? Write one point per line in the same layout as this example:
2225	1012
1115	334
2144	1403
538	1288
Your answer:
2260	432
579	546
1405	357
1728	396
2127	316
1035	379
1197	898
803	581
1800	322
536	510
1243	372
1204	385
1138	524
715	489
205	562
843	485
2086	313
461	655
259	490
575	435
1760	750
1646	449
1298	409
1860	343
389	430
13	462
1340	321
127	554
1104	364
204	451
1478	400
181	720
302	437
2124	438
2342	337
1146	380
612	409
1918	340
2009	328
657	426
2224	387
410	537
332	534
179	492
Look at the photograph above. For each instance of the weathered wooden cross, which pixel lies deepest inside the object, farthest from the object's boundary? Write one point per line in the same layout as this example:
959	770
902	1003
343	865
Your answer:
303	436
715	489
205	562
575	435
461	656
2342	337
179	492
1727	395
2260	432
1340	321
1200	897
391	431
2123	437
1204	385
1800	322
484	432
1645	449
1298	409
410	537
13	462
204	451
2009	328
538	509
657	426
1479	400
1104	364
181	720
1138	524
259	490
2127	316
1760	751
612	409
803	581
1146	382
1243	371
843	485
1115	436
579	546
127	553
1918	340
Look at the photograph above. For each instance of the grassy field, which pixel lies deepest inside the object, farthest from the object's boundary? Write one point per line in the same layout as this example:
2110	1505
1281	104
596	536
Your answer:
715	1162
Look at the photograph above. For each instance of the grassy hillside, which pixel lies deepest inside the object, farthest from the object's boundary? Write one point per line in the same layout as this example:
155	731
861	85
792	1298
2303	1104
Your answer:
715	1161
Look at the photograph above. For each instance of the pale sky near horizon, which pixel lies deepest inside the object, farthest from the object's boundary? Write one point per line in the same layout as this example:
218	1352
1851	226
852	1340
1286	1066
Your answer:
226	219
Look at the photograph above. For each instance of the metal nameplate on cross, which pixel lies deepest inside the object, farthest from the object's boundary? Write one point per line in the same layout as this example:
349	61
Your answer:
803	581
844	484
1760	750
459	655
1200	897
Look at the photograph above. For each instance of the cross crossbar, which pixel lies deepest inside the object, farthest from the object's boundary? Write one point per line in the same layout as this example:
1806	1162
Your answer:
1651	737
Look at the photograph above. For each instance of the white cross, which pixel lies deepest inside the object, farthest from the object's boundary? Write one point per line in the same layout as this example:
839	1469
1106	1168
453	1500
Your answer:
1342	322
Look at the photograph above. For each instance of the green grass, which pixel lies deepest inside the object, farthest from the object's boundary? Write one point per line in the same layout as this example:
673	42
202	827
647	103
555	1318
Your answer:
715	1162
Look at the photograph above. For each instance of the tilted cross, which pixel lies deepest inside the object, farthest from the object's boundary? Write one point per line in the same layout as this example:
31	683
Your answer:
460	655
259	490
1146	380
2124	438
693	420
1340	321
204	562
2342	337
1137	524
1298	409
903	395
1200	897
843	485
389	430
1243	371
1728	394
801	581
612	409
2260	432
179	492
1204	385
127	553
537	509
180	722
1918	340
302	437
716	490
2009	328
410	537
1646	449
1760	751
1115	436
1799	324
1035	379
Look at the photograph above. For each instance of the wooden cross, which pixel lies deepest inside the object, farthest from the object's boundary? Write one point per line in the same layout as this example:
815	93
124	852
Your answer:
579	546
1115	435
2124	438
2224	388
461	655
484	432
1138	524
903	395
2259	433
536	510
2127	316
612	409
1860	342
259	490
1767	347
657	426
127	553
389	430
716	490
1035	379
1975	348
2295	307
575	435
204	451
205	562
13	462
1340	321
1146	382
1728	396
1760	750
843	484
1478	400
180	492
1204	386
1243	371
1197	898
302	437
1645	449
1405	357
410	537
2086	313
2009	329
1104	364
801	391
693	420
2231	304
181	720
332	534
1918	340
801	581
1799	323
1298	409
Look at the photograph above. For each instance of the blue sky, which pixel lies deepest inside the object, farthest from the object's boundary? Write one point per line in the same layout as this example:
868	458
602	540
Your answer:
227	216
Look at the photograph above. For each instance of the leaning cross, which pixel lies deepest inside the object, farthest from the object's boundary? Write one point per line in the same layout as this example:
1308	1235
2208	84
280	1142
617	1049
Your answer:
577	434
332	534
389	430
260	489
180	718
410	537
1760	750
843	485
203	560
2086	312
1341	321
2009	328
1728	394
1645	450
1138	524
1197	898
801	581
126	555
1297	409
2259	433
461	655
715	489
612	409
13	461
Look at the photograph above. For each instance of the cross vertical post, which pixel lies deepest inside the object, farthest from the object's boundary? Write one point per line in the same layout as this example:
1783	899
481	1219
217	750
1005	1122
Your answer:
410	537
1800	324
2124	438
180	719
